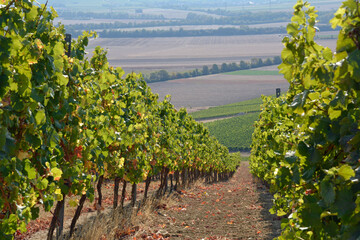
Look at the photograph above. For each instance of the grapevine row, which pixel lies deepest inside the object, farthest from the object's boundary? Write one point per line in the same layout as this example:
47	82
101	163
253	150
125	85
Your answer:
306	144
66	121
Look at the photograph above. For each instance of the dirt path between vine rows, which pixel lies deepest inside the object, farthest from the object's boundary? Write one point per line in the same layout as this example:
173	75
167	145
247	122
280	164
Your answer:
233	209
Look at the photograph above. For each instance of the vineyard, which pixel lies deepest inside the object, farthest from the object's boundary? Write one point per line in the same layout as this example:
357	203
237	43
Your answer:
228	110
67	121
70	124
235	133
306	145
231	124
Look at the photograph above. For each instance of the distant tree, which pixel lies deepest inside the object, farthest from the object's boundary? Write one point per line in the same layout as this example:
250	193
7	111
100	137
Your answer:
163	75
260	63
153	77
277	60
195	73
224	67
179	75
215	69
268	62
233	67
244	65
256	62
191	16
253	62
205	70
173	76
186	75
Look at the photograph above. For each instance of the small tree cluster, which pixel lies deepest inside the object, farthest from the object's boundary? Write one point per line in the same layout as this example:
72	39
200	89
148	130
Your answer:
164	75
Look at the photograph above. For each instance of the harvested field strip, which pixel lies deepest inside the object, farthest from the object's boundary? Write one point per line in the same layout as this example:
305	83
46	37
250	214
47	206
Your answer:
253	72
235	133
228	110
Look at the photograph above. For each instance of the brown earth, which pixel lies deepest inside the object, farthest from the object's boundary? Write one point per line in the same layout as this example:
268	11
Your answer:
38	229
233	209
178	54
216	90
185	53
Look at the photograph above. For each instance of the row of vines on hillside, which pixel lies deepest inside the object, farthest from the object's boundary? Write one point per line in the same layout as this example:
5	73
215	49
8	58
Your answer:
306	144
67	121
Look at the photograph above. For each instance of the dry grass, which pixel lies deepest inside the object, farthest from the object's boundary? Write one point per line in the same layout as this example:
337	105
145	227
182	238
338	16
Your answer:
129	222
89	214
114	224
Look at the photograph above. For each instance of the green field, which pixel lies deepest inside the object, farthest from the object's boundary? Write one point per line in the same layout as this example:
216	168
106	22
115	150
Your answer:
238	157
252	105
254	72
235	133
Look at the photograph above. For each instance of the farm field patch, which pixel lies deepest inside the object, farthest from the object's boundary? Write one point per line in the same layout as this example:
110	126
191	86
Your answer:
186	53
215	90
255	72
247	106
235	133
174	13
97	21
325	5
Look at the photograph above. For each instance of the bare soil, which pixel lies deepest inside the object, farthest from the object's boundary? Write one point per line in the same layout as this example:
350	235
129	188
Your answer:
186	53
177	54
216	90
97	21
214	119
233	209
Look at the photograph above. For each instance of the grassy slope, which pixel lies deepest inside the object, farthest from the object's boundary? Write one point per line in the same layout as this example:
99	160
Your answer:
238	157
236	132
252	105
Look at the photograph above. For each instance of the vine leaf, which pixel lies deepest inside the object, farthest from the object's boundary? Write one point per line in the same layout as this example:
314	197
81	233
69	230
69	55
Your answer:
346	172
327	191
40	117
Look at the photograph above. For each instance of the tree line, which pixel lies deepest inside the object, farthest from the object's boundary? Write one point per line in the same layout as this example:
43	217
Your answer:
323	16
241	19
191	19
107	15
222	31
164	75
